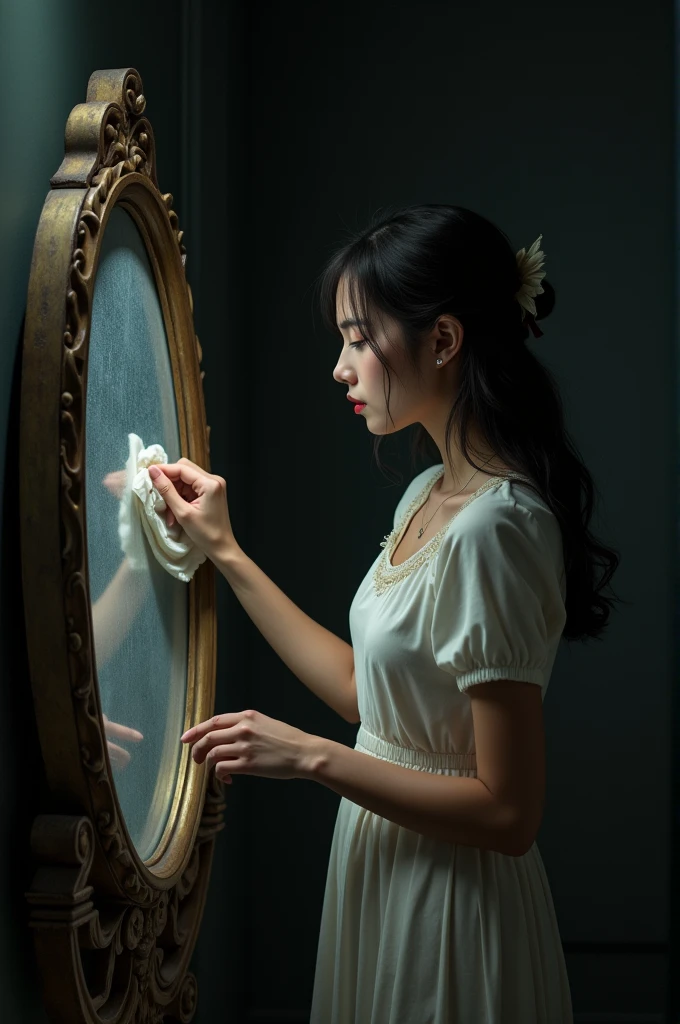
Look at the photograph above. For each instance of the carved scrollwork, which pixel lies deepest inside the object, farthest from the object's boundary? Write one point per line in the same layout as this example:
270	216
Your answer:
107	135
128	957
113	939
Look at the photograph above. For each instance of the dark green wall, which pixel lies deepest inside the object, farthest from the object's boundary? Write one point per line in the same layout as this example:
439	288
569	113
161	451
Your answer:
548	118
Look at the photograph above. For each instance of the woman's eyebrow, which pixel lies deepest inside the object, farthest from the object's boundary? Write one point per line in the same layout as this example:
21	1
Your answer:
352	323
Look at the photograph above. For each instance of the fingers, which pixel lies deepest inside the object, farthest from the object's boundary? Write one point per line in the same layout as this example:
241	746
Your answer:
186	475
115	482
166	489
216	722
122	732
236	729
209	743
224	754
119	757
180	484
187	472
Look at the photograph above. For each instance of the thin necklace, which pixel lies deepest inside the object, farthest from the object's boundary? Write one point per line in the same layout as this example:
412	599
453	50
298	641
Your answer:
424	527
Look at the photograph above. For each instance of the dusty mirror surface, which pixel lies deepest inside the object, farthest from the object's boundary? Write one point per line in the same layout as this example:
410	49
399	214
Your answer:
139	611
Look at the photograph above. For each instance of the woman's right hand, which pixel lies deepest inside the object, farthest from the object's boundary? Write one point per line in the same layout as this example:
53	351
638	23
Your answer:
197	500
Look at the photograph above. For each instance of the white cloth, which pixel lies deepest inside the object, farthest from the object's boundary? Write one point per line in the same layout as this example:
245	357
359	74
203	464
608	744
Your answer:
138	514
416	930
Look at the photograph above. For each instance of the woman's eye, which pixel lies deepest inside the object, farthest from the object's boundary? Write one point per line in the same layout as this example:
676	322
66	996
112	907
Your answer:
356	344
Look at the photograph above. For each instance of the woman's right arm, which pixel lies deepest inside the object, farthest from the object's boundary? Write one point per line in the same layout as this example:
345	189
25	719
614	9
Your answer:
319	658
322	661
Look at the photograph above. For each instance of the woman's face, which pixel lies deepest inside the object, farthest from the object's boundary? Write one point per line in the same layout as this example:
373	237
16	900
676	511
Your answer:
362	372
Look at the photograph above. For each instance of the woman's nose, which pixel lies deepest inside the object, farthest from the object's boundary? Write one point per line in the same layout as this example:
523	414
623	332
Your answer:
340	374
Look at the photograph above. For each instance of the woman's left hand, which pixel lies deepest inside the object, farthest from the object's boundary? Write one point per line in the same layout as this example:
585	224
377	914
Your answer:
250	743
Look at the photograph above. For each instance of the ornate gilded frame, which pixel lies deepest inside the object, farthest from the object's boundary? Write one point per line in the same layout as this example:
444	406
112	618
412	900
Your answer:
113	934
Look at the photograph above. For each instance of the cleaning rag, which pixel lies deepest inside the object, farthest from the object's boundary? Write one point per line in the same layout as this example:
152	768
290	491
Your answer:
139	514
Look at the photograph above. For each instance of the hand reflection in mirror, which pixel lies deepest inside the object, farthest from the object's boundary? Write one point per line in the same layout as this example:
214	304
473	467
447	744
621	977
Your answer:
120	757
112	615
115	482
115	610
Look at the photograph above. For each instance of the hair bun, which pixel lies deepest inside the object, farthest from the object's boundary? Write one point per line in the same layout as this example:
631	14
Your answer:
545	301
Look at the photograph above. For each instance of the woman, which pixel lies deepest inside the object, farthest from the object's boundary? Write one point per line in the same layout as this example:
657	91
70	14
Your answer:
437	907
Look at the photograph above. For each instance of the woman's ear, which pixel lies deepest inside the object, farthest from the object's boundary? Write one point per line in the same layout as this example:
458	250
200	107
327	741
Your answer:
446	337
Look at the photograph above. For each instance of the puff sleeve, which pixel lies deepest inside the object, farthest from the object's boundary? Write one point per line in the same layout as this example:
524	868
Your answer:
498	609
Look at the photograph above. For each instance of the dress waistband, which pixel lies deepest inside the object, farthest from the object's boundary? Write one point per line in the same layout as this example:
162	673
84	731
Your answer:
426	760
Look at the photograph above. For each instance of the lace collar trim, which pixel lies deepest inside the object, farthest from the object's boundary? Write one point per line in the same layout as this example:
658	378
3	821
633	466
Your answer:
385	573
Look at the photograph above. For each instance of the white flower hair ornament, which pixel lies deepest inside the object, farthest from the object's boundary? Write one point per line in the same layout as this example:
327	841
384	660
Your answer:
529	266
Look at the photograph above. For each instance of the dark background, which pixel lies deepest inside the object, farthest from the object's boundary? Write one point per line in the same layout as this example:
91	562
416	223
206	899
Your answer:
281	127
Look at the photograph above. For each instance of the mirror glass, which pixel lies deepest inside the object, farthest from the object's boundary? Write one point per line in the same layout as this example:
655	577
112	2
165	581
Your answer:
139	611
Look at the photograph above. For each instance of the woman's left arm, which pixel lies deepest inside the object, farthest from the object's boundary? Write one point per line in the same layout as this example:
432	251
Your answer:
499	810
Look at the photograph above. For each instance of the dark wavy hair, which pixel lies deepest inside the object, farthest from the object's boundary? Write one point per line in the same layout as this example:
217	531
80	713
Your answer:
418	263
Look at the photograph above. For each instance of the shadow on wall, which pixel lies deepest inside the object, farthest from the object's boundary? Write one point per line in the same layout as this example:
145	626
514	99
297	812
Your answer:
24	786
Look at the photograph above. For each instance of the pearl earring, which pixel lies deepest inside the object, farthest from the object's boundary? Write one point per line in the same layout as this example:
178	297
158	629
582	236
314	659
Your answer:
439	362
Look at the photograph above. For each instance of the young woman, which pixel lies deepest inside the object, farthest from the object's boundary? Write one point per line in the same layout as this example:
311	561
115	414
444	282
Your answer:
437	907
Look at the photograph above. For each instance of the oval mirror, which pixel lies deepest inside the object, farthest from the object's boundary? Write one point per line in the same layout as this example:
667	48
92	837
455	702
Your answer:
121	639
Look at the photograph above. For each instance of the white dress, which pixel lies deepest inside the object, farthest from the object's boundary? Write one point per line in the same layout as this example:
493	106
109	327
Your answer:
415	930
